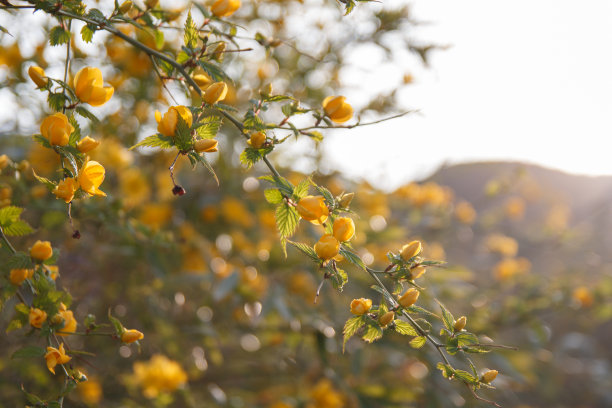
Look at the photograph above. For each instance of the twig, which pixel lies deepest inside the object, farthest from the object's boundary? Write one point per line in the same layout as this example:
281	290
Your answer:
479	398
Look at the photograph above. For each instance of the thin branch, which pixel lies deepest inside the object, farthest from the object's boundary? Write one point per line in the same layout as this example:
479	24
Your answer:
67	65
6	241
479	398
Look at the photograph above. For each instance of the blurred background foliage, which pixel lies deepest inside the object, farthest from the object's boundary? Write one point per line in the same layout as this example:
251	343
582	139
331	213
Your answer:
204	277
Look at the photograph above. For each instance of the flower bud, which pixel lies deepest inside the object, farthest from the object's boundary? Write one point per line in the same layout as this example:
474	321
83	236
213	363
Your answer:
257	140
411	250
201	78
417	271
225	8
488	376
56	129
151	3
41	251
327	247
17	276
215	93
460	323
87	144
344	229
65	189
337	109
130	336
205	146
346	199
89	87
387	318
167	124
37	74
4	161
37	317
266	90
409	298
219	52
313	209
125	7
360	306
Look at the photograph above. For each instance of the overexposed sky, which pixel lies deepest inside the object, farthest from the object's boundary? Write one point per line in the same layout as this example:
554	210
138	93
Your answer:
522	80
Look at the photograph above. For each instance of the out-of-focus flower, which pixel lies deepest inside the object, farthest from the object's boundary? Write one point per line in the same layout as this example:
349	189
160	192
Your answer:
90	178
225	8
56	356
56	129
346	199
502	244
324	395
4	161
409	298
89	87
37	74
411	250
17	276
583	296
158	375
344	229
361	306
515	208
215	92
70	323
460	323
65	189
465	213
257	140
166	125
125	7
201	78
327	247
134	186
337	109
155	215
488	376
87	144
131	335
37	317
417	271
41	251
206	146
313	209
90	391
387	318
509	267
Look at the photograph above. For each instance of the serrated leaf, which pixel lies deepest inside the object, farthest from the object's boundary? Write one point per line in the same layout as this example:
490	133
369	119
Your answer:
389	299
301	189
372	333
19	260
56	101
250	156
465	376
84	112
466	339
48	183
75	136
305	249
191	33
350	328
329	198
18	228
29	351
199	158
156	140
87	33
210	128
182	135
15	324
59	35
352	258
447	371
405	328
338	278
9	215
418	342
42	141
67	155
273	196
287	219
447	318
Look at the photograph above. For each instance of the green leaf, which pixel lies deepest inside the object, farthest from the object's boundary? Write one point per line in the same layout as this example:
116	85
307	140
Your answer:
84	112
466	339
305	249
156	140
182	135
210	128
59	35
67	155
466	377
352	258
15	324
56	101
87	33
329	198
29	351
273	196
418	342
42	141
405	328
48	183
9	215
159	39
350	328
447	371
338	278
75	136
383	292
301	189
116	324
191	33
447	318
18	228
202	160
287	220
373	332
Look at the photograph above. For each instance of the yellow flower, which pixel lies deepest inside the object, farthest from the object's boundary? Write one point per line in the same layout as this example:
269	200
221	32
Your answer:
387	318
582	295
215	93
66	188
90	178
17	276
337	109
313	209
346	199
166	125
125	7
257	140
151	3
417	271
70	323
130	336
56	129
89	87
465	213
90	391
460	323
225	8
411	250
41	250
488	376
409	298
327	247
155	215
37	74
37	317
56	356
87	144
344	229
205	146
324	395
360	306
201	78
159	374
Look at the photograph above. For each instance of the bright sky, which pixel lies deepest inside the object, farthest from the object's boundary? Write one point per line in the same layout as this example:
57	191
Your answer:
523	80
